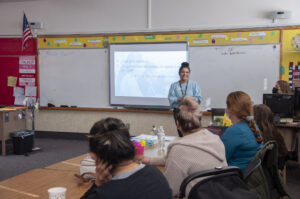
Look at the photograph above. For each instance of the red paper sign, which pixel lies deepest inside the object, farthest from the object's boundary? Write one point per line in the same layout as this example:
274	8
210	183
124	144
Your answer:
27	64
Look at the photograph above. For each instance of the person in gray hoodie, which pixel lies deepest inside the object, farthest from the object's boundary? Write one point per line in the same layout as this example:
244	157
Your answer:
197	150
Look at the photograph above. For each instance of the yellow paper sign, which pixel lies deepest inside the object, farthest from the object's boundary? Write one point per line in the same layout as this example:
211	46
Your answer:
12	81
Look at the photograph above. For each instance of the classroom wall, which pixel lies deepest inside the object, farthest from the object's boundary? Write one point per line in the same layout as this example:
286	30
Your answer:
98	16
113	16
82	121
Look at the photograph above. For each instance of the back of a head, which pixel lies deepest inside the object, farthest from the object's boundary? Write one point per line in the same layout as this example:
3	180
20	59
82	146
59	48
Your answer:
284	87
189	114
110	140
265	121
240	104
263	117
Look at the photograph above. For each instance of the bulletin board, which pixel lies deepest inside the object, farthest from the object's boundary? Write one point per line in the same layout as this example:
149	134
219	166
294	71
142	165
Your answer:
290	56
61	53
16	73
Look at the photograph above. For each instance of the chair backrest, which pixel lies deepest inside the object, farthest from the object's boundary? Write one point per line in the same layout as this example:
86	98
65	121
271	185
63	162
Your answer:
265	180
226	182
253	165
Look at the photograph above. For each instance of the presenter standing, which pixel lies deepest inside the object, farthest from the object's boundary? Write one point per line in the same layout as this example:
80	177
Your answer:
183	87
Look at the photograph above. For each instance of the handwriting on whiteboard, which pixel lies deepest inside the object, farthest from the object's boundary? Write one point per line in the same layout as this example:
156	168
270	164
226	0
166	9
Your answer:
230	51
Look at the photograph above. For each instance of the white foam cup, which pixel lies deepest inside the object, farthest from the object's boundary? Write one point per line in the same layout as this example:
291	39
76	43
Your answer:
57	193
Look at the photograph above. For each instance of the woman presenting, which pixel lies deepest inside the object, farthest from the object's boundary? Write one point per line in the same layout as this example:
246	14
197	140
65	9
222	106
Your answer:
183	87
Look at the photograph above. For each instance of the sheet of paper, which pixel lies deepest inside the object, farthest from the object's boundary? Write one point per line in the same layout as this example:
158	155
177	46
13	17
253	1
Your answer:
218	36
27	81
18	91
30	91
265	84
239	39
19	100
75	44
170	138
27	64
202	41
94	41
257	34
12	81
59	41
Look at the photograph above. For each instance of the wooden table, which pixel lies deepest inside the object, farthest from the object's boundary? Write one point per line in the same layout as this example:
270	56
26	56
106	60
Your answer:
9	122
35	183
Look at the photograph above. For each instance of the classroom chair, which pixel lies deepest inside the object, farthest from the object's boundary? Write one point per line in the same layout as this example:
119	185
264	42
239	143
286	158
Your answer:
222	182
266	180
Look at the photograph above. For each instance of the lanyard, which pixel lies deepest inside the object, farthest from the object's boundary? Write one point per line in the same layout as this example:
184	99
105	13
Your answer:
183	94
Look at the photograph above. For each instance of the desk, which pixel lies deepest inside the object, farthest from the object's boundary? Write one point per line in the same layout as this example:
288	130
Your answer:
35	183
9	122
288	132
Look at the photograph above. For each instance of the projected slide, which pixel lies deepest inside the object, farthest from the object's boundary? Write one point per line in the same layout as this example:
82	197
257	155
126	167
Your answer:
146	73
141	74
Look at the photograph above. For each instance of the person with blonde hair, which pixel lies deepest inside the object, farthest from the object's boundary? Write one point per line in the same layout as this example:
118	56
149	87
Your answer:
242	140
197	150
184	87
264	119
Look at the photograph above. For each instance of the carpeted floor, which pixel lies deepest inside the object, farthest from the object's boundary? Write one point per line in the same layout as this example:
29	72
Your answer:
52	151
293	179
56	150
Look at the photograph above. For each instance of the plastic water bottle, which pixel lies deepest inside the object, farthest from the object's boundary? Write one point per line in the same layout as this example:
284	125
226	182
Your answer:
154	130
161	138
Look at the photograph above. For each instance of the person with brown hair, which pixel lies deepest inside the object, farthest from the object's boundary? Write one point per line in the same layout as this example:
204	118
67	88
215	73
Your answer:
117	173
264	119
197	150
282	87
242	140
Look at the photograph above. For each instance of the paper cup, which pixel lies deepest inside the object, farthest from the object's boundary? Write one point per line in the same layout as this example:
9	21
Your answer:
57	193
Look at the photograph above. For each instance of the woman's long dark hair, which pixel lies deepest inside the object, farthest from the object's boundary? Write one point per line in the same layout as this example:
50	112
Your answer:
265	120
110	140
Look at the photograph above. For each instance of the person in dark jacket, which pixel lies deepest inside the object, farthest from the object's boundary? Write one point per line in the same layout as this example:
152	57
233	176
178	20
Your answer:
264	118
117	174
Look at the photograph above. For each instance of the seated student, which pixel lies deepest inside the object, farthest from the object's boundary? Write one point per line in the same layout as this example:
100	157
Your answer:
242	140
117	175
282	87
264	119
197	150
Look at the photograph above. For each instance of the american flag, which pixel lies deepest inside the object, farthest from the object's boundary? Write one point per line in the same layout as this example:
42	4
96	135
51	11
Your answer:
26	32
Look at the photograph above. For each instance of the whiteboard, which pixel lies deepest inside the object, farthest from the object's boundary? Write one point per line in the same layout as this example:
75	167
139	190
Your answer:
80	77
74	77
220	70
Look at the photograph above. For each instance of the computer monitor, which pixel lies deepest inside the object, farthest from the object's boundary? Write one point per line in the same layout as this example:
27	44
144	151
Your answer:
297	103
297	98
282	105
